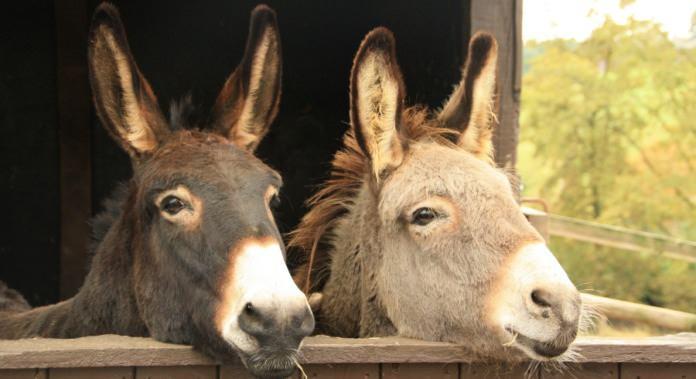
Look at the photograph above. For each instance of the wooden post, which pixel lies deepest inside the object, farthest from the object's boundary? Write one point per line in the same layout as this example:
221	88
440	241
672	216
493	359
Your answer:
73	141
503	18
646	314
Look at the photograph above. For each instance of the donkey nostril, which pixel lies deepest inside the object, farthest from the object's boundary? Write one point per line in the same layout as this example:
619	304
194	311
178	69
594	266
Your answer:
249	309
541	298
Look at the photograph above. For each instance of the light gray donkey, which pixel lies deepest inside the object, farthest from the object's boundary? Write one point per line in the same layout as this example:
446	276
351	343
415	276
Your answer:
417	233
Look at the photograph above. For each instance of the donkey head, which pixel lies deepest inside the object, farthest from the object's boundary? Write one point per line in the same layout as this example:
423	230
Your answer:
459	261
208	263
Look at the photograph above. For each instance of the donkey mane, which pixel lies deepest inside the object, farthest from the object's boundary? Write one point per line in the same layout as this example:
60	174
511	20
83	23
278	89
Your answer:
112	209
349	170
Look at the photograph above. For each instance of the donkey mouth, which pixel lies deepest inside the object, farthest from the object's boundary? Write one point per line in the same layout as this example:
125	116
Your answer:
271	365
546	350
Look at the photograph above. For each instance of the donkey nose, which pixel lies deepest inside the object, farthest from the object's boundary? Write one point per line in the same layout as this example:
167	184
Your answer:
271	326
558	302
543	298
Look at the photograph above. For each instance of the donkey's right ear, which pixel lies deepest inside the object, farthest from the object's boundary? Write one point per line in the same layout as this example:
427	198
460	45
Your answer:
469	108
376	100
248	102
124	100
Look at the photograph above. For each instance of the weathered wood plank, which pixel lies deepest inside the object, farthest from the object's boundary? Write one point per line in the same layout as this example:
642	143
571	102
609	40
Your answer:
235	372
74	105
539	220
621	238
118	351
675	348
96	351
583	371
495	371
91	373
24	374
420	371
324	349
341	371
626	311
176	372
658	371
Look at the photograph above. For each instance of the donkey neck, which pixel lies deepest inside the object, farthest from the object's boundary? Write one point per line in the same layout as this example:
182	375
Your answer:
351	305
104	304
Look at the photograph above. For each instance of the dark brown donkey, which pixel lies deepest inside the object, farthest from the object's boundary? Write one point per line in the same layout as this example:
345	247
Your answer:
418	234
192	254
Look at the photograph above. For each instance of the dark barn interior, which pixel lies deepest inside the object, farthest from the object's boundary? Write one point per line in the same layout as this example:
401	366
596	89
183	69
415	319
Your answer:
59	165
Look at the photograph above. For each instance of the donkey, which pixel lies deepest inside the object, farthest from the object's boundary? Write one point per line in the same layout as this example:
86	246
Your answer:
416	232
192	254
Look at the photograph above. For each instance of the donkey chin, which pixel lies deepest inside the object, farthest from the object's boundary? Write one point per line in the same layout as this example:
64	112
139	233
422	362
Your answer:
534	306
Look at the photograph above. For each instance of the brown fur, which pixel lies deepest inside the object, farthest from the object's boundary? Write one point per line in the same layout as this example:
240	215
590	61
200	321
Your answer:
162	262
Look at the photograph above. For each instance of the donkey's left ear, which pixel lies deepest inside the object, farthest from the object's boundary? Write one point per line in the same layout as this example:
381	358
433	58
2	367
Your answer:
249	100
469	109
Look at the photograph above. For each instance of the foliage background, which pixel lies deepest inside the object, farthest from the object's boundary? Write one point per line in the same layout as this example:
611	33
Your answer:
608	134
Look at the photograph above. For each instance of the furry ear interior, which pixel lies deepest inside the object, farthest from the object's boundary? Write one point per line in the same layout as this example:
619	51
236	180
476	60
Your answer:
469	108
376	100
123	98
248	102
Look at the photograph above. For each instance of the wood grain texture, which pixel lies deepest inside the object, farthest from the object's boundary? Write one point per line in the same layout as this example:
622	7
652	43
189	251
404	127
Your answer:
96	351
674	348
658	371
24	374
92	373
583	371
495	371
176	372
74	131
324	349
234	372
341	371
420	371
117	351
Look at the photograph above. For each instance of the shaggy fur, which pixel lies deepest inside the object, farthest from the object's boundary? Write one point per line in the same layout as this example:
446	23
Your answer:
337	195
164	273
378	269
11	300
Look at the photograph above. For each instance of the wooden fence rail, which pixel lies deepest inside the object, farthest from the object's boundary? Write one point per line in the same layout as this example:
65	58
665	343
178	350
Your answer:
621	238
620	310
612	236
327	357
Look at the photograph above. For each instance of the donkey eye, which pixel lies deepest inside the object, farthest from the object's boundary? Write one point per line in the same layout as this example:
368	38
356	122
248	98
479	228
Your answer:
275	202
172	205
423	216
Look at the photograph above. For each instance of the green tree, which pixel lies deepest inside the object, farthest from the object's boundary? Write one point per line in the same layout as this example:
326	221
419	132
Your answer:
608	130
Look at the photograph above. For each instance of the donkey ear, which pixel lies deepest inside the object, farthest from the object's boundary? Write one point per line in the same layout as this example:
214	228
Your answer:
469	109
249	100
124	100
376	100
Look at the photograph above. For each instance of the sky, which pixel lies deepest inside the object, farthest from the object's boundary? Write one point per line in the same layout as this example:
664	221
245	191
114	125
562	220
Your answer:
549	19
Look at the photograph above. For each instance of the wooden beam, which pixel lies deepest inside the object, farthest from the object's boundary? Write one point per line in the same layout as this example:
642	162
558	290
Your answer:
621	238
626	311
74	142
503	18
119	351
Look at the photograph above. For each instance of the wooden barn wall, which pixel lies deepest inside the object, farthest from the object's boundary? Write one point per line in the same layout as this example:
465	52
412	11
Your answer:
190	47
29	174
